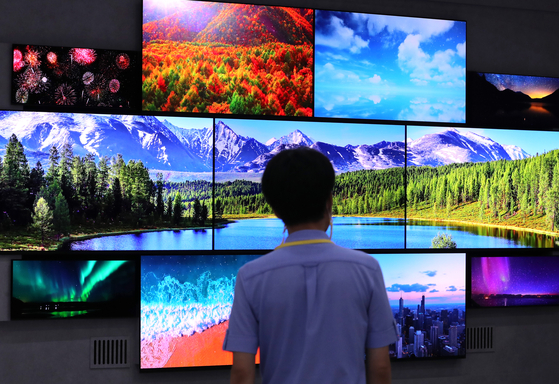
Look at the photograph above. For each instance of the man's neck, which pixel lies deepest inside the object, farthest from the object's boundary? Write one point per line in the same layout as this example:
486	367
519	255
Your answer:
318	225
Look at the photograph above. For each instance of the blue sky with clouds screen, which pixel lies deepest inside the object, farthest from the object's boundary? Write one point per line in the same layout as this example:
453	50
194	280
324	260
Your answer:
389	67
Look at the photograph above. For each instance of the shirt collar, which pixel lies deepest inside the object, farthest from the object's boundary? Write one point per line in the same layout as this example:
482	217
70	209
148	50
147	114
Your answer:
306	234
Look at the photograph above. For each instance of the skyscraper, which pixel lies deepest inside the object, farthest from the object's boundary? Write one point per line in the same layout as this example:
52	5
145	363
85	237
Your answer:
453	336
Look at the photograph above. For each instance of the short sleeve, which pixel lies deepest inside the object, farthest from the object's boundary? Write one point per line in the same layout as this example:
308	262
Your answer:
242	334
382	330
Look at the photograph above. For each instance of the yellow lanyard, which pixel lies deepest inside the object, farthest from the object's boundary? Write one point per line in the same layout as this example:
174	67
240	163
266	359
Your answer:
303	242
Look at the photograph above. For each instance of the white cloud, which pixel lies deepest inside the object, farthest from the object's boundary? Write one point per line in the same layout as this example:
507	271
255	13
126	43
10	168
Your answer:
341	37
426	28
421	110
461	50
375	99
423	67
329	66
375	79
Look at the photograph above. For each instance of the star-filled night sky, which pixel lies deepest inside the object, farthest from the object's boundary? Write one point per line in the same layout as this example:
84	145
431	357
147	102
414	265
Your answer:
533	86
71	280
515	275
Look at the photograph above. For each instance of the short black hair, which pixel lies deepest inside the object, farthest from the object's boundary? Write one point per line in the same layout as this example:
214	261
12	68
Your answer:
297	184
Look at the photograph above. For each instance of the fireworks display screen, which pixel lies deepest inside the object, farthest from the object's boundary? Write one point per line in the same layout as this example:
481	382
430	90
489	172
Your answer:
499	100
47	289
389	67
514	281
185	307
213	57
427	294
75	77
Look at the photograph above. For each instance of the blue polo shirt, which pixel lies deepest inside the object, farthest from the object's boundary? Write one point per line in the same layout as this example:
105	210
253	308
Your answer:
312	309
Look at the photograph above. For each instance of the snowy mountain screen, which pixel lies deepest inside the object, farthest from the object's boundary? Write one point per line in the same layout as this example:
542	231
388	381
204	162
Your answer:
152	183
105	182
389	67
369	194
482	188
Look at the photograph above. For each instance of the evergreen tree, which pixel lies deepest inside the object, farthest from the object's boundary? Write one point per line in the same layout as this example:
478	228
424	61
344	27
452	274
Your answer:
61	216
159	203
197	214
177	209
203	214
42	219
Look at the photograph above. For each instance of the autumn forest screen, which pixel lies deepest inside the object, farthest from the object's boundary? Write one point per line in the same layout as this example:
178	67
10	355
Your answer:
227	58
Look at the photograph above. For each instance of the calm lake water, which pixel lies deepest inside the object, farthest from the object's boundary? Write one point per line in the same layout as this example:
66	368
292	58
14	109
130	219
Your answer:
350	232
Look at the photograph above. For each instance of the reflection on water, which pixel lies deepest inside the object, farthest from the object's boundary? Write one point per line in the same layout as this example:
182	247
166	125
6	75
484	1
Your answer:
350	232
420	233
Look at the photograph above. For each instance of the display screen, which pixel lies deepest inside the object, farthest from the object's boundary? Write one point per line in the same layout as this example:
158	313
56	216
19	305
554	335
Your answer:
186	303
499	100
48	289
369	192
481	188
212	57
514	281
427	294
185	307
75	77
113	182
389	67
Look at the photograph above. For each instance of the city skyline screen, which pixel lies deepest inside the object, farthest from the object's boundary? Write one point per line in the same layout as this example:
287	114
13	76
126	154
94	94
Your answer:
186	303
427	294
71	77
514	281
51	289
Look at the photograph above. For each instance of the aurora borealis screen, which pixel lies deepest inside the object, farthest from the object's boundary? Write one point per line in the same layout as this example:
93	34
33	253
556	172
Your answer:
49	289
75	77
514	281
185	306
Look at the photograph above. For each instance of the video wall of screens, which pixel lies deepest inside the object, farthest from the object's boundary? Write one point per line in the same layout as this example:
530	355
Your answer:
500	100
159	183
514	281
427	294
75	77
50	289
186	303
263	60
